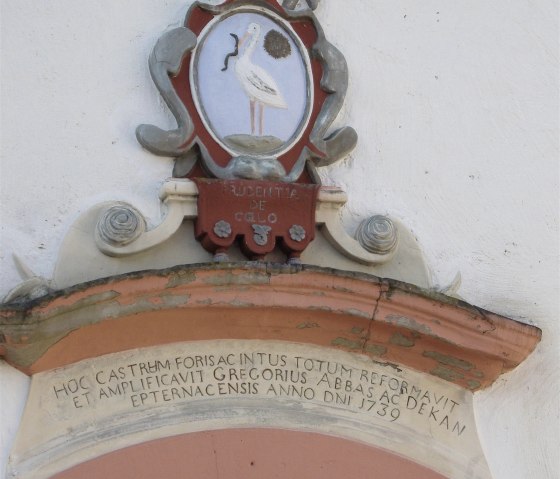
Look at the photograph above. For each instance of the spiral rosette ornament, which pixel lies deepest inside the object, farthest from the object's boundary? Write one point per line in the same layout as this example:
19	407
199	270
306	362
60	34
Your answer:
377	235
120	225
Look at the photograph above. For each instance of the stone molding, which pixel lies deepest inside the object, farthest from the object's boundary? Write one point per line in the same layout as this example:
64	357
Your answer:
127	399
374	245
389	321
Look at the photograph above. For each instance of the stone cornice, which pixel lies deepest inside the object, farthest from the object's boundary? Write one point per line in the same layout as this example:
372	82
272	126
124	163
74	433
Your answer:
389	321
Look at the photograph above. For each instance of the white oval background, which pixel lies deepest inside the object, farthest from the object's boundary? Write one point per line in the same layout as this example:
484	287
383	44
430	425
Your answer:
219	96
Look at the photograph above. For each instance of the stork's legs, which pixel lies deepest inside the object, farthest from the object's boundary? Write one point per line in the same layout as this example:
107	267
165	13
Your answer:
261	118
252	108
257	112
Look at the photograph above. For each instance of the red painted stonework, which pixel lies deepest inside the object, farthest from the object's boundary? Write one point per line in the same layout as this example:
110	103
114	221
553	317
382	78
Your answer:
284	212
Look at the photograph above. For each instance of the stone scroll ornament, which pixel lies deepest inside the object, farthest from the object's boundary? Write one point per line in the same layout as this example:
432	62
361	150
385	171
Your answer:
254	86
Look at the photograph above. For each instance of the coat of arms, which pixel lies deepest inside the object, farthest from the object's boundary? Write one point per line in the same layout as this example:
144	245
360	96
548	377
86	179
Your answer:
254	87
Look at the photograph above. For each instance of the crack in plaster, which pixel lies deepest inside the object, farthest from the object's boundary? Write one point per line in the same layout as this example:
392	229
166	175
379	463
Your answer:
387	364
367	337
486	319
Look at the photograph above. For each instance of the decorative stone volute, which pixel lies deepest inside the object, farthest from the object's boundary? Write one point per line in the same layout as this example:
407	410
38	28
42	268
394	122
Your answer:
120	225
377	235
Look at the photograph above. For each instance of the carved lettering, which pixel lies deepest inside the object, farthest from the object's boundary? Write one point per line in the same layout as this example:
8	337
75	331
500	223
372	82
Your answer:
371	391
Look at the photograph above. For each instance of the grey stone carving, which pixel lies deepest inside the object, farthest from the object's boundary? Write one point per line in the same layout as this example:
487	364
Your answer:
377	235
120	225
260	235
179	197
221	258
250	168
294	260
292	4
32	287
222	229
297	233
166	60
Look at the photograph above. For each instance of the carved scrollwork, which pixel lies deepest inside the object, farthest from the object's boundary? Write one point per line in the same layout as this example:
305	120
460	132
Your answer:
335	81
291	4
120	225
121	229
166	58
338	144
377	235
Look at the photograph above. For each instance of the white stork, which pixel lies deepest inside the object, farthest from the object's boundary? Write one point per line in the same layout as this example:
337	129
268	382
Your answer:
259	86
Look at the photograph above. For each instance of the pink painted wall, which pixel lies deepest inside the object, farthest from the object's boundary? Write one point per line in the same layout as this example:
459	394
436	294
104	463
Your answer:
249	454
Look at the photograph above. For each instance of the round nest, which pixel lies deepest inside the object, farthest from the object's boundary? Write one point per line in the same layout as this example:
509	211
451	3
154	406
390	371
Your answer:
277	45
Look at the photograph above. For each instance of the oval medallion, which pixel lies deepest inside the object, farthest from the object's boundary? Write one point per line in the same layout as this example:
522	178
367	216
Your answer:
251	83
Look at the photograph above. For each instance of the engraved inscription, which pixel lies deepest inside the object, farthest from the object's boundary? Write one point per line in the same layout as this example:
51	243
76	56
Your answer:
373	390
262	216
259	209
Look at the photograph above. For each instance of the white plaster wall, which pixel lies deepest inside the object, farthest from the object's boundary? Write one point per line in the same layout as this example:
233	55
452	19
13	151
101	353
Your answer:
456	105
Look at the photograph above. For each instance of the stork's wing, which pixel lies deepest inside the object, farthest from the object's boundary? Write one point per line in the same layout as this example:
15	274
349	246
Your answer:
261	84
